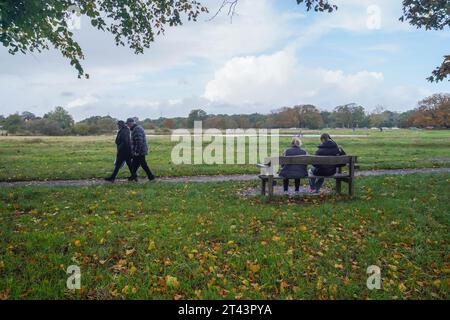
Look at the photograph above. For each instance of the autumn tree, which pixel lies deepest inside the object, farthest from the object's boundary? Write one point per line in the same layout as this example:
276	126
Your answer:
433	111
168	123
308	116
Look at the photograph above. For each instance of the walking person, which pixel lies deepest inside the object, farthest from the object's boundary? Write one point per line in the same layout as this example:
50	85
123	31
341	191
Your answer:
293	171
327	148
139	151
123	143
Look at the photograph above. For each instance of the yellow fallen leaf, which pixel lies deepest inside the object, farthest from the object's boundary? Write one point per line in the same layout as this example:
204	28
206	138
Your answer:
172	282
151	245
254	267
129	252
77	243
276	238
132	269
283	285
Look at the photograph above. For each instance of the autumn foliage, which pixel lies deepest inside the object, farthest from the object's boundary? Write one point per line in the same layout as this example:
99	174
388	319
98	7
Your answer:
432	112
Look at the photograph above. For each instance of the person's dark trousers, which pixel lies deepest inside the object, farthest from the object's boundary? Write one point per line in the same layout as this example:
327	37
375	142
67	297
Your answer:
286	184
139	161
119	163
316	183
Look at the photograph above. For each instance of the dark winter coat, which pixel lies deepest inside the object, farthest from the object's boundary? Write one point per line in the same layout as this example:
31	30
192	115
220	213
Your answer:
294	171
123	142
329	148
138	141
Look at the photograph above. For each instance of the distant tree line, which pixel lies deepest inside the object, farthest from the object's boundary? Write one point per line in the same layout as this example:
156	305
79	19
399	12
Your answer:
432	112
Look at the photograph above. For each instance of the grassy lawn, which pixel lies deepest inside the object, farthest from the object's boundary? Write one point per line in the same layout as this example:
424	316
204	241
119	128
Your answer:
25	158
206	241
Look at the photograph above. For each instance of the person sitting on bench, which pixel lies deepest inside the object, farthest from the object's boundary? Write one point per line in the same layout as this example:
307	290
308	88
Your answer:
293	171
327	148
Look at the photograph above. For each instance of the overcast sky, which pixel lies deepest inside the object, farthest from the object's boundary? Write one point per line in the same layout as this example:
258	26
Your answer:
273	54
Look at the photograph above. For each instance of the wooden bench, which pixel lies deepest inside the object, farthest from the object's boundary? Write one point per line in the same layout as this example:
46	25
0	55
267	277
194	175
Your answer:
268	176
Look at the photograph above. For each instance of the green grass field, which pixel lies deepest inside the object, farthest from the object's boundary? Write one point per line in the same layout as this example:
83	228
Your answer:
172	241
210	241
28	158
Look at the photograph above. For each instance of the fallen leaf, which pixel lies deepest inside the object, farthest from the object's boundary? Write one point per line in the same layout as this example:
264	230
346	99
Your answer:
254	267
151	245
172	282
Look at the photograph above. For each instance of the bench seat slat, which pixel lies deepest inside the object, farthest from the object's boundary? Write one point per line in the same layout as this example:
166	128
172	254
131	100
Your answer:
336	176
318	160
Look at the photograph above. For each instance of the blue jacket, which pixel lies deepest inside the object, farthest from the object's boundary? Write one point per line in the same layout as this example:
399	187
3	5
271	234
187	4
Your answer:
138	141
294	171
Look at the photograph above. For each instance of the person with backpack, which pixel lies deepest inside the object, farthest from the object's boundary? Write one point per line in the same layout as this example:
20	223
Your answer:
327	148
139	150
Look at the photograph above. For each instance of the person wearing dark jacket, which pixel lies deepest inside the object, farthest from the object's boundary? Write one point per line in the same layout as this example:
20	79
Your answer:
139	150
123	143
293	171
327	148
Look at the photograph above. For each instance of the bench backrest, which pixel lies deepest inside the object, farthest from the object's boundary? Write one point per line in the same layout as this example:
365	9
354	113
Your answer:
319	160
270	164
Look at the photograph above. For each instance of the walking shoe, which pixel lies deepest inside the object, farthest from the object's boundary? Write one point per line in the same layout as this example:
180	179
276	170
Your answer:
110	179
135	179
151	178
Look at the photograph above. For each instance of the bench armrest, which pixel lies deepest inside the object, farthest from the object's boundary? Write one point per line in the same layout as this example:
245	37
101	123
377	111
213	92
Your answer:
262	166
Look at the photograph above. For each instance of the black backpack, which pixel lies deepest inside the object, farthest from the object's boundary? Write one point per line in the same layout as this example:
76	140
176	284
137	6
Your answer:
341	153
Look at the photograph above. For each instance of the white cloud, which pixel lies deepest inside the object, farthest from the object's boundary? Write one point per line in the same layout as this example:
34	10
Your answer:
83	101
279	79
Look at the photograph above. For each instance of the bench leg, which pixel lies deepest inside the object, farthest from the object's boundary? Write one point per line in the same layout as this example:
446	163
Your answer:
351	169
338	186
270	185
263	187
351	187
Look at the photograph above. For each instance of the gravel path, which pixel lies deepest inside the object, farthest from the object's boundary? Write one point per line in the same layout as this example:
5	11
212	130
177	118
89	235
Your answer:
197	179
